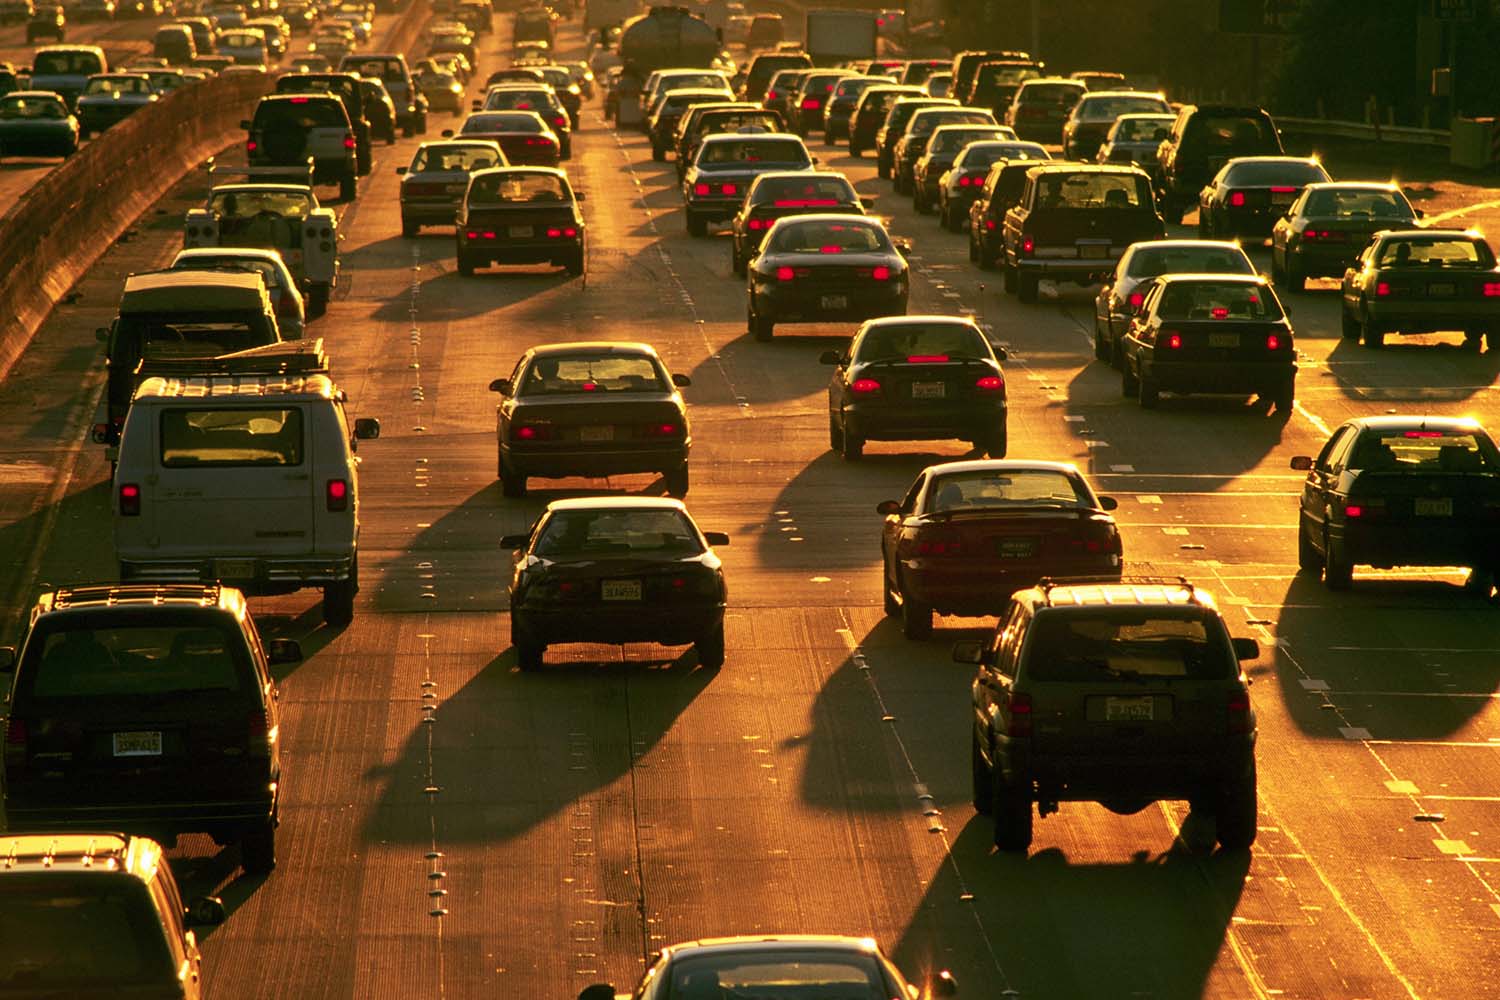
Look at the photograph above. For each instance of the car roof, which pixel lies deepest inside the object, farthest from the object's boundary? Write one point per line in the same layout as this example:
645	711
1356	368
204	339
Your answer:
830	217
1218	279
1187	244
561	175
226	283
1353	186
593	347
1303	161
79	853
301	189
130	595
232	388
1401	421
617	503
694	92
1127	592
33	94
915	318
1001	465
776	942
1096	94
1412	234
722	137
1157	115
486	144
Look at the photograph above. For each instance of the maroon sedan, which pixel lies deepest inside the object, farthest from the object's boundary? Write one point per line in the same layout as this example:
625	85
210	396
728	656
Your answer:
524	137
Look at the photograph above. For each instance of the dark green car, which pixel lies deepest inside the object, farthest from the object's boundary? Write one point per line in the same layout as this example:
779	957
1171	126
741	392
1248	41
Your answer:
36	123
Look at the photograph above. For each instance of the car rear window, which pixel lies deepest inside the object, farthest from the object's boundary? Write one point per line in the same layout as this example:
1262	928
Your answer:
1436	252
1422	450
32	108
1050	93
923	122
1200	300
140	654
899	341
829	237
998	490
517	188
98	932
1110	108
1092	191
65	63
990	75
766	151
804	192
1151	262
448	158
951	140
118	85
1099	646
1277	172
734	121
591	375
617	532
267	270
516	100
299	114
188	335
195	438
1358	203
1221	132
521	121
1144	129
847	977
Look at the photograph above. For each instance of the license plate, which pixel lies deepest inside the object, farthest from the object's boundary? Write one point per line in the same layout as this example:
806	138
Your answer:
521	232
234	569
1015	548
1440	507
835	302
1442	290
1223	340
1282	199
1093	251
456	188
138	744
596	433
1129	709
621	590
929	390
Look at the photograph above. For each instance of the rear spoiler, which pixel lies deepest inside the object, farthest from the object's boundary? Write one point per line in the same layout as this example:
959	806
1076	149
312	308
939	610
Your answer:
294	175
289	357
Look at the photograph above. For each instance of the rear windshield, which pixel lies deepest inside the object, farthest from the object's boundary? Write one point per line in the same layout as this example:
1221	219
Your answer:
617	532
804	192
682	81
241	39
733	121
188	335
591	375
982	154
924	123
65	64
1277	172
269	436
516	100
766	151
299	114
118	85
1233	132
951	141
32	108
1127	644
1436	252
244	205
992	490
942	341
1144	129
268	271
1358	204
1424	451
856	87
517	189
1151	262
1051	93
94	933
1109	108
524	122
1012	75
830	237
134	655
383	69
1092	191
676	102
1229	300
448	158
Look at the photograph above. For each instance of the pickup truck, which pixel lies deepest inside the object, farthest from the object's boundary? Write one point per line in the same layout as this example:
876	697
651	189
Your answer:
1073	222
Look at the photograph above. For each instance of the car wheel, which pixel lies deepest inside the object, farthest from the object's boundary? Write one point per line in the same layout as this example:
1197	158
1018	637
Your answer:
1026	287
574	262
710	648
883	169
1205	224
1338	571
677	481
1370	333
258	849
835	435
528	654
1129	384
1171	211
983	780
1348	326
465	265
1278	271
996	444
736	262
1285	396
916	618
852	446
512	483
409	228
974	252
409	131
348	187
1295	279
1150	394
338	598
1101	346
919	202
696	225
890	600
761	329
658	154
1236	813
1011	807
1308	559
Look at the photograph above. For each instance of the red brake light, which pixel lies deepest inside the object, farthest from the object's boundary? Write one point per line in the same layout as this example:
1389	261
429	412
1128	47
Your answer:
931	548
1237	198
811	104
130	499
1219	312
730	189
989	224
1382	289
348	142
258	730
926	359
1174	340
1136	299
338	495
1422	434
1491	289
1020	715
755	224
251	146
560	121
1285	189
1273	342
663	430
1239	712
1354	510
882	273
1028	245
700	189
831	248
299	100
864	386
990	383
785	274
964	181
531	432
542	141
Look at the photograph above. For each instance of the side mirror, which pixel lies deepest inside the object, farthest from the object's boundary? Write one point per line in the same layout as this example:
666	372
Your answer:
101	334
716	537
1108	503
514	542
888	507
205	911
501	385
1419	213
7	659
942	985
867	201
829	358
903	247
598	991
245	124
1302	463
284	651
969	651
476	105
580	196
447	133
815	161
1245	649
1001	354
366	429
680	380
400	171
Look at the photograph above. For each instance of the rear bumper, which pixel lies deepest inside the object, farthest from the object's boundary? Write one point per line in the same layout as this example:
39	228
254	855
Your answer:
1218	376
714	209
252	574
1323	263
531	251
985	589
784	305
433	210
226	819
1419	541
1412	318
1090	271
1254	221
966	421
675	625
576	461
1120	775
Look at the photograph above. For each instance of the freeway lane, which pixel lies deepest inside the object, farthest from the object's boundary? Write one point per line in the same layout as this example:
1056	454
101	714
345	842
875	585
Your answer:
584	815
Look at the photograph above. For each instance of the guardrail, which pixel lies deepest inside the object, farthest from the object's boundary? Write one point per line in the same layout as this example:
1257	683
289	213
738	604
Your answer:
1365	132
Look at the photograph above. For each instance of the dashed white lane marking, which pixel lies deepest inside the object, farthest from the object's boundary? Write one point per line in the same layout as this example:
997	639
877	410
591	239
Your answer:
1354	732
1454	213
1397	786
1452	846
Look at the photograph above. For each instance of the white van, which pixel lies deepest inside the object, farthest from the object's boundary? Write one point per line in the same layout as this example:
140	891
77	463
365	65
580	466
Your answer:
242	470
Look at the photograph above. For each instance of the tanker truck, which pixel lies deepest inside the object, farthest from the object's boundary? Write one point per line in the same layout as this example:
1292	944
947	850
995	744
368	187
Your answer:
667	36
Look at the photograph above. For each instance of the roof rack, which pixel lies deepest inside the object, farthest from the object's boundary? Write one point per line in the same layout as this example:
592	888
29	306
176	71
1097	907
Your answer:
1046	583
113	593
286	358
293	175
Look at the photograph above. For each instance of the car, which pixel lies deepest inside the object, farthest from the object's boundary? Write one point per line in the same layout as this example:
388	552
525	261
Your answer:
1203	138
1122	692
1210	333
127	713
713	119
286	297
1249	193
1124	292
288	130
969	534
101	911
763	66
839	107
380	109
902	109
520	215
454	43
344	86
916	72
521	135
1413	281
65	69
1089	122
943	147
109	98
1401	490
391	70
939	85
433	186
1072	222
1135	138
537	98
569	93
914	378
1324	230
36	123
47	21
278	35
967	64
1041	107
912	144
961	185
593	409
174	43
793	192
246	46
714	186
996	83
1001	190
798	94
443	91
663	80
164	81
284	217
821	268
617	570
669	112
203	33
761	965
870	113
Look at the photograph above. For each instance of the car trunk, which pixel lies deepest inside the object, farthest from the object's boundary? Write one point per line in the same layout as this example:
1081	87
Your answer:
1091	232
1435	284
1342	234
1123	717
524	222
1278	197
616	421
1222	340
937	379
1463	503
1019	538
623	581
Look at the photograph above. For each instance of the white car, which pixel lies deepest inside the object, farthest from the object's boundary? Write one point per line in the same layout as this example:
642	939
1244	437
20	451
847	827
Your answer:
286	296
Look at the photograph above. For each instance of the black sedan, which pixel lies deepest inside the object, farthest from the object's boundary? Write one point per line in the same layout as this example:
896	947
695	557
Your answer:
962	184
913	378
1249	193
1401	491
591	409
714	187
1326	227
1423	281
791	192
617	570
821	268
520	215
1210	333
36	123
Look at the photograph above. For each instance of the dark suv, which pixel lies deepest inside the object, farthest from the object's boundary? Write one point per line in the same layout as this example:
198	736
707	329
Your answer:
1121	692
345	86
1204	138
101	916
148	709
290	129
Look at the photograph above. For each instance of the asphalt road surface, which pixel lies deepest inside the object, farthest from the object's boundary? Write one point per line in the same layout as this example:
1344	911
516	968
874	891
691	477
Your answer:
453	828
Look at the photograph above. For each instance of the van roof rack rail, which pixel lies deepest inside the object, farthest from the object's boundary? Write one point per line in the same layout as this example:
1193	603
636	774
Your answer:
296	174
287	358
1046	583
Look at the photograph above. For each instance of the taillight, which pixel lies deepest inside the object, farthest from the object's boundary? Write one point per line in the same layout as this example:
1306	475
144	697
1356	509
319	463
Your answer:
1028	245
880	273
1173	339
933	547
130	499
989	224
1273	342
1219	312
1491	289
811	104
538	141
1136	299
785	274
259	733
563	232
729	188
560	121
1382	289
251	145
1237	199
864	386
348	142
337	494
1354	510
666	428
1238	712
990	383
757	224
1020	715
701	189
1364	510
531	432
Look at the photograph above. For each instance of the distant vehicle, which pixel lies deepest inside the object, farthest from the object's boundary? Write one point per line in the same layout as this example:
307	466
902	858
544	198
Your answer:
109	98
1324	230
391	70
1089	122
175	44
246	46
766	31
902	108
1098	661
970	534
938	85
1042	106
943	147
16	11
1203	139
36	123
765	65
1250	193
604	13
344	86
522	135
1403	490
870	113
838	109
662	125
912	144
667	36
617	570
520	215
539	99
1099	79
772	196
46	21
1002	189
963	182
836	36
1423	281
703	120
433	186
1135	138
290	130
714	186
65	69
966	66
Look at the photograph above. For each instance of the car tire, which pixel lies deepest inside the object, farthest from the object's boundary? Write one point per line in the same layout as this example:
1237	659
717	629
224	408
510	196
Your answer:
258	849
1348	326
1236	813
348	187
1308	559
409	228
835	435
974	252
851	446
919	202
1011	807
916	618
1473	341
1338	571
529	654
1130	386
676	481
512	483
996	444
1278	271
1285	397
1296	281
882	169
1101	346
983	780
422	123
466	266
658	155
1171	211
1205	224
696	225
761	329
736	262
710	648
1371	335
1026	287
338	598
890	601
574	262
1148	392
